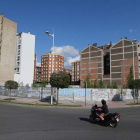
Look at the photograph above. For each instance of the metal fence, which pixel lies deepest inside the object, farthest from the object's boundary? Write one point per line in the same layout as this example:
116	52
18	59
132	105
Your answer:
88	94
28	92
73	94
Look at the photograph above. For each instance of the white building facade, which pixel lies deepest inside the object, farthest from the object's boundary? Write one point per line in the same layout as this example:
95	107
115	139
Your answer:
25	50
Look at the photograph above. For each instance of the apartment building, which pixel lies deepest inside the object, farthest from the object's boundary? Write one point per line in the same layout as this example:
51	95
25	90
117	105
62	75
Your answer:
91	62
75	76
8	30
35	61
110	62
37	74
50	63
25	50
123	55
68	71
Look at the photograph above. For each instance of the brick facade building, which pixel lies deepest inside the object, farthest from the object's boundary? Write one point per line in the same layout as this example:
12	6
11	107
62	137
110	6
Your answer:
110	62
51	63
75	73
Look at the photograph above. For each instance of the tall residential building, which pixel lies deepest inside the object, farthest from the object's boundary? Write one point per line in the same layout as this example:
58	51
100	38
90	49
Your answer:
37	74
35	61
25	50
8	30
75	71
111	63
51	63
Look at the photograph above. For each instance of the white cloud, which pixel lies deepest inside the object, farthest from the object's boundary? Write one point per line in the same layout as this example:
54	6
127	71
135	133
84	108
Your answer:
131	30
38	64
66	50
69	60
70	54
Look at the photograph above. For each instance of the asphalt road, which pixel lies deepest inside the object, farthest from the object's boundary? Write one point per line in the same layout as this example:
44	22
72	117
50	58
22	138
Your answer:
19	122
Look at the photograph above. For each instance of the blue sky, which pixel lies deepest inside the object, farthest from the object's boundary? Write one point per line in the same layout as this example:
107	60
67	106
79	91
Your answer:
76	23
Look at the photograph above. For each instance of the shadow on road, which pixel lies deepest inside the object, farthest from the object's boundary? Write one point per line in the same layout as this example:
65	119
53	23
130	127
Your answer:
96	123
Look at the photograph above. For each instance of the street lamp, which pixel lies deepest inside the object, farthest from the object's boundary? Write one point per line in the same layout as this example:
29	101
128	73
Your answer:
48	33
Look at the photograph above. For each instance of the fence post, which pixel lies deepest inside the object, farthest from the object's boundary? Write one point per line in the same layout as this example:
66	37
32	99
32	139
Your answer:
134	93
73	94
85	93
51	95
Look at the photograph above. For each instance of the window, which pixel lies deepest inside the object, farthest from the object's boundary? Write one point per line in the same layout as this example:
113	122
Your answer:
49	65
107	47
56	65
107	53
56	62
49	62
107	58
56	59
50	59
139	54
108	64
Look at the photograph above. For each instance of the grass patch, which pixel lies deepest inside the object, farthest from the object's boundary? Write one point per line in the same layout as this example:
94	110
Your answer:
33	104
133	104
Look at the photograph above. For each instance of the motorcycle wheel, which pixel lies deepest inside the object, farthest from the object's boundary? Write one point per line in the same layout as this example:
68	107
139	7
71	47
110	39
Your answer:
113	125
92	119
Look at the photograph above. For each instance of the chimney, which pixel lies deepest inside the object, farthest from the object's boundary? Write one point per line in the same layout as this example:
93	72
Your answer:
121	37
126	37
95	44
110	43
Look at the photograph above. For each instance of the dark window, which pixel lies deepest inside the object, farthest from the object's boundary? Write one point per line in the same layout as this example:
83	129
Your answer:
108	64
107	47
139	54
107	53
107	58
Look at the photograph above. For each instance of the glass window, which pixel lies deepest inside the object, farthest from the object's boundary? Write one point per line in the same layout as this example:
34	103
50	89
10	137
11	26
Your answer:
107	47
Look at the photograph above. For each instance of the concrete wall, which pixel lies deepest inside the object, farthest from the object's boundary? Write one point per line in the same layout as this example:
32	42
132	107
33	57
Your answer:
26	59
8	44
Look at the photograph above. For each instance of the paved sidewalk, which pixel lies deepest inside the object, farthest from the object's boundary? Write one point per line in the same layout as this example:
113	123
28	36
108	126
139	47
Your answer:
89	104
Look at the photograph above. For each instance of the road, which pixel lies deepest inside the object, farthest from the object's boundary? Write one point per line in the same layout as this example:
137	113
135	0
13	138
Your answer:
18	122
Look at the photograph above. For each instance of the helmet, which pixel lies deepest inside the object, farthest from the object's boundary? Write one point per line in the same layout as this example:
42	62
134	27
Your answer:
103	101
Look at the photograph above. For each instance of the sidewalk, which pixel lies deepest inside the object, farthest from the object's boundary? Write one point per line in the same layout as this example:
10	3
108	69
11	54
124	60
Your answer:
89	104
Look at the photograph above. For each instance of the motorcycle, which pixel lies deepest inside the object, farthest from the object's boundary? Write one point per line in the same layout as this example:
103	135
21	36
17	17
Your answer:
111	118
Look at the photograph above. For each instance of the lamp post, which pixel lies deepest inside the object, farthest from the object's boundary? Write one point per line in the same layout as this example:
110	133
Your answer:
133	66
48	33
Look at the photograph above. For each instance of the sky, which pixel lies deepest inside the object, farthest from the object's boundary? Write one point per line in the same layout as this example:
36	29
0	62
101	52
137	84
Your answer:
75	23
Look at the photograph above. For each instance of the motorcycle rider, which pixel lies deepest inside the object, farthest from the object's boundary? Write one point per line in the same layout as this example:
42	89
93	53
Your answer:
103	109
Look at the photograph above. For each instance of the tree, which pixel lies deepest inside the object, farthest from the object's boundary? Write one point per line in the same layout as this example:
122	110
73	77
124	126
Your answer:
101	84
130	79
59	80
109	86
95	84
114	85
43	83
88	81
34	84
27	85
10	84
